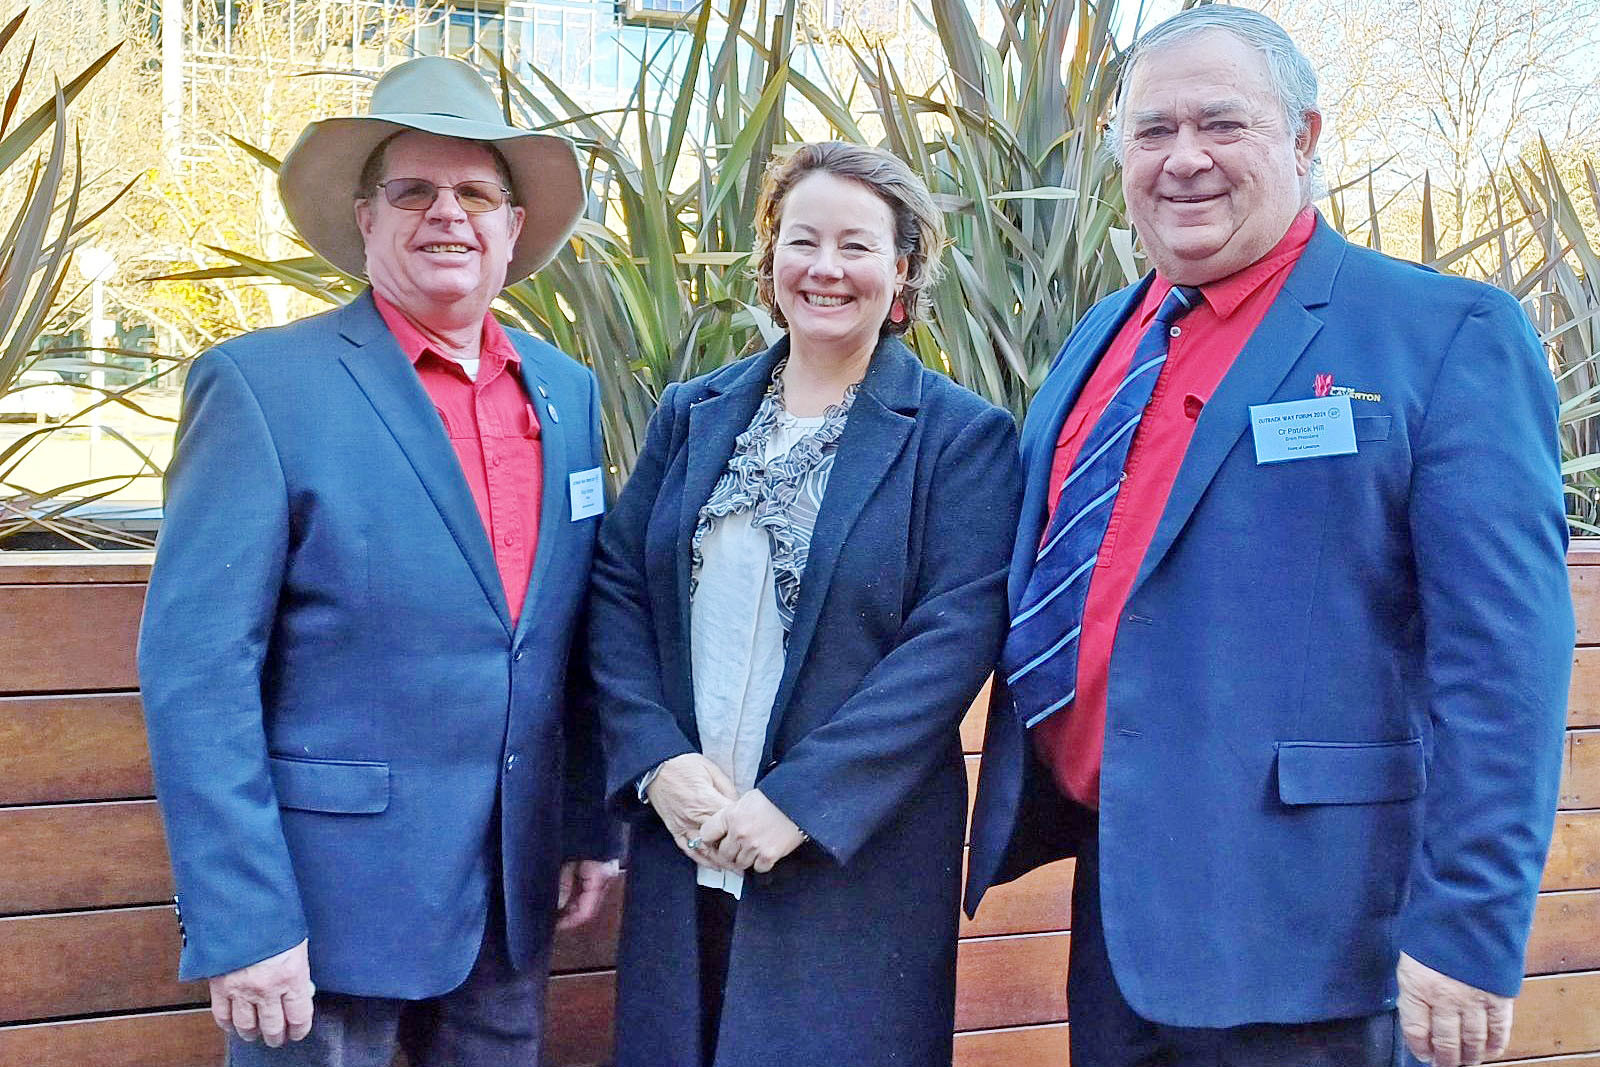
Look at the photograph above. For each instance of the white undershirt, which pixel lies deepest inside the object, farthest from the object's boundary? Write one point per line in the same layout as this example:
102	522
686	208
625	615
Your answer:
736	642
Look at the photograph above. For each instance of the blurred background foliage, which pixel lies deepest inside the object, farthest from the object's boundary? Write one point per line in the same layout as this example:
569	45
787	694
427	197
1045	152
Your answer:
1000	107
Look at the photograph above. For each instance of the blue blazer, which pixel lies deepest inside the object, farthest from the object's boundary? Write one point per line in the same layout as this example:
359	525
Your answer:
1338	688
845	953
348	732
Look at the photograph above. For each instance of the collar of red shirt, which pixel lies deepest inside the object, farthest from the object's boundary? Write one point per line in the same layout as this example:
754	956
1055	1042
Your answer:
495	351
1225	295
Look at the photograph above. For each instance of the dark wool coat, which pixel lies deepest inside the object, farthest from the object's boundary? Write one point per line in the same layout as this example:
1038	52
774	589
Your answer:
845	953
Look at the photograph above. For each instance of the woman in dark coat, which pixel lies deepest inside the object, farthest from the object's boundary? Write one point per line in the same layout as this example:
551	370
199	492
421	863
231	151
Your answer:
795	599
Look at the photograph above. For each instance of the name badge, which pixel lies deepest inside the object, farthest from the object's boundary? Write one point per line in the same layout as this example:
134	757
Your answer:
587	493
1303	429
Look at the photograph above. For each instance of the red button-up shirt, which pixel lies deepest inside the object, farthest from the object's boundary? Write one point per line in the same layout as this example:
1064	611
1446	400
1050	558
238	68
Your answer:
495	434
1210	339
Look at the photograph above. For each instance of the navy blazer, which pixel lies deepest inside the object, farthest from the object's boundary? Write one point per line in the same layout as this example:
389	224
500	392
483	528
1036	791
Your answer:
1338	688
845	953
339	706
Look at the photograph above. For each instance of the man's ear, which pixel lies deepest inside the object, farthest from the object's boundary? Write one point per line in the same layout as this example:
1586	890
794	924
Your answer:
364	216
1305	146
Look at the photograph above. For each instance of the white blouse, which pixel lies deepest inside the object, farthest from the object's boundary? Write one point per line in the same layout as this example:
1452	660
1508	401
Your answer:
736	642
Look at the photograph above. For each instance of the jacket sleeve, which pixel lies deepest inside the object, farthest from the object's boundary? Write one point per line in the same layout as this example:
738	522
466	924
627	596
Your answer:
637	728
208	619
843	780
588	832
1489	535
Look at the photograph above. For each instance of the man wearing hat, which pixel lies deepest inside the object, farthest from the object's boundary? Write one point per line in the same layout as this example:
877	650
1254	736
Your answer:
376	782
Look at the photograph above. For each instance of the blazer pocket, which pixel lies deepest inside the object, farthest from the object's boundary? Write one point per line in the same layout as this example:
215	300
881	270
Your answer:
1372	427
348	787
1333	772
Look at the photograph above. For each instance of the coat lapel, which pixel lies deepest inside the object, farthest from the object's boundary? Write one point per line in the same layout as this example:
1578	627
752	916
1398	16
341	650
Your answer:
1263	363
876	430
1046	414
392	387
715	422
553	502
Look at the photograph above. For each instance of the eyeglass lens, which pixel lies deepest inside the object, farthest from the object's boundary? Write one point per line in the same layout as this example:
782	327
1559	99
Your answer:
418	194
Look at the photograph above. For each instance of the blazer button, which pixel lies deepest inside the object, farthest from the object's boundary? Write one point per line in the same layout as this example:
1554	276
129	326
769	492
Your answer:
511	761
518	654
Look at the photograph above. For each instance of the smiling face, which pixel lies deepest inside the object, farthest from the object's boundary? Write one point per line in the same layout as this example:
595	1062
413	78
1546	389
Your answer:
834	268
1212	172
441	266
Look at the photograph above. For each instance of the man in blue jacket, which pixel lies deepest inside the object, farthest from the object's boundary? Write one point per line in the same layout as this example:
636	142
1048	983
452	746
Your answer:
1291	630
377	786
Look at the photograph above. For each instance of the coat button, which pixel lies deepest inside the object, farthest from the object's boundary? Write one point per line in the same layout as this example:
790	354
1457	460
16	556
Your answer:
518	654
511	761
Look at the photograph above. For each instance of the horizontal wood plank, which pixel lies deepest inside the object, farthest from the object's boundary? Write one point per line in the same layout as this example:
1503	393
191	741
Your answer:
578	1034
1574	861
1011	981
1021	1046
74	567
1580	776
87	962
1566	933
1039	901
85	747
66	856
56	638
185	1038
593	946
1556	1015
1583	699
972	725
578	1020
1586	603
1580	1060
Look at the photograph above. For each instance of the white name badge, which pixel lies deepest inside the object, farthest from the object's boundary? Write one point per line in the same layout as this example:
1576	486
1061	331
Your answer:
587	493
1303	429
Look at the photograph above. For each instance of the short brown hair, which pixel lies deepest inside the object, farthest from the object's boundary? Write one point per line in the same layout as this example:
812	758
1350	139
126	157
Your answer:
918	223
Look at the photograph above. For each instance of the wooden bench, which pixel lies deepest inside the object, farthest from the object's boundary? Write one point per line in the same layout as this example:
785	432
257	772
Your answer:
88	945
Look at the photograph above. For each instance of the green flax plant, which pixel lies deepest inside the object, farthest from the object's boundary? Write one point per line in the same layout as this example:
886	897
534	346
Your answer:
1012	141
656	284
35	256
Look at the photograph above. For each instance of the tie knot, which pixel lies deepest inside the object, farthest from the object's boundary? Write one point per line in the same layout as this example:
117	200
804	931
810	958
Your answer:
1181	300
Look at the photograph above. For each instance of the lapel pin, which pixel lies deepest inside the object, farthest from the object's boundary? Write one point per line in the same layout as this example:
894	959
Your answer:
543	391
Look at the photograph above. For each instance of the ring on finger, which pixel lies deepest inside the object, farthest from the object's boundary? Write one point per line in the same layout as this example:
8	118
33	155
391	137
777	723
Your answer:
693	843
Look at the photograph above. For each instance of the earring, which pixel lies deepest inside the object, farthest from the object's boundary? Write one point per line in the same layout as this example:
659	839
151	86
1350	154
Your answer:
897	311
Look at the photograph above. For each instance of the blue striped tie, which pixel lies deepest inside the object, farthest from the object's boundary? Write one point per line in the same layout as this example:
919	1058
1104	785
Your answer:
1040	660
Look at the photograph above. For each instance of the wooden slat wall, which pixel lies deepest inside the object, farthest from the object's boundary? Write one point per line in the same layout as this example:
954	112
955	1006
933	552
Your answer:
88	946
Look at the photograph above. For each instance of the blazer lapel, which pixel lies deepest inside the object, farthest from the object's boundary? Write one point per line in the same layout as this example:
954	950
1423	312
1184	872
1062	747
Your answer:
554	512
876	430
1261	367
392	387
1051	404
714	424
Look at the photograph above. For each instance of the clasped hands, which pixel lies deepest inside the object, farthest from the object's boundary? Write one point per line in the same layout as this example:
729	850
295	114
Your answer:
701	807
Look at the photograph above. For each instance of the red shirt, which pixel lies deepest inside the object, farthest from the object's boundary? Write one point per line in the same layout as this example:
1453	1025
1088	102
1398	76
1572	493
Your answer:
1210	339
495	434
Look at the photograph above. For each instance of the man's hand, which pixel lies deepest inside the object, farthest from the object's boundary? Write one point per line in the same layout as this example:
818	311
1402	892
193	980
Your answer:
270	999
751	833
688	790
1449	1023
582	890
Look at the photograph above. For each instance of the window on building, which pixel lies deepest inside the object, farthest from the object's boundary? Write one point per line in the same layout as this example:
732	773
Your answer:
661	11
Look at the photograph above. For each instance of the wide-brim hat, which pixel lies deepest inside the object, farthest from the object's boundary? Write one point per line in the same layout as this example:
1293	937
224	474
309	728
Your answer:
318	177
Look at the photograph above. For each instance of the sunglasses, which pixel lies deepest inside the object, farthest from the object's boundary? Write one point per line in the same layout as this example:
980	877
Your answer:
418	194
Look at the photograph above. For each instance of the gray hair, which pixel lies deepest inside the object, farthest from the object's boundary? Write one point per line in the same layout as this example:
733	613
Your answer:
1293	80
